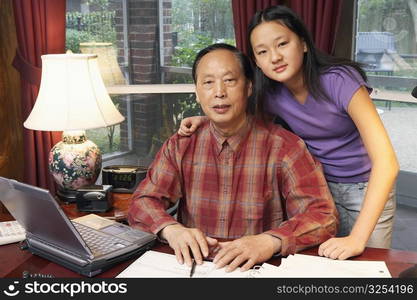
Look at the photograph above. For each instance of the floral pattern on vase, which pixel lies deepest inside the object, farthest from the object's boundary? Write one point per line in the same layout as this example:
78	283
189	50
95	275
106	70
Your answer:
74	165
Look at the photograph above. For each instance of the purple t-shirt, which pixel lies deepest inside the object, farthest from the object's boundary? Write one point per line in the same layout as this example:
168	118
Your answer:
325	126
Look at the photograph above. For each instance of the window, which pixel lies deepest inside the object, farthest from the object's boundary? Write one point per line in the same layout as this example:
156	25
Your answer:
386	45
143	42
193	26
90	28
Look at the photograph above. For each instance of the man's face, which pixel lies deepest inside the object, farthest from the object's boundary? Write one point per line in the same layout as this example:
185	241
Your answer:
222	90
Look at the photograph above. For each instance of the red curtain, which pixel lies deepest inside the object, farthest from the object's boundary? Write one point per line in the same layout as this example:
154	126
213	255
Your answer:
243	10
40	28
322	20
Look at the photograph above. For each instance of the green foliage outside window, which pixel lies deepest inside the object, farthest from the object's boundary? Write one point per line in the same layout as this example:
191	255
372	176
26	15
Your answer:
199	23
97	26
75	37
186	51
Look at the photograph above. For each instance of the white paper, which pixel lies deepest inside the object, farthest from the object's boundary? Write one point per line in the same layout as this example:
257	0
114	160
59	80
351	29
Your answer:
153	264
308	266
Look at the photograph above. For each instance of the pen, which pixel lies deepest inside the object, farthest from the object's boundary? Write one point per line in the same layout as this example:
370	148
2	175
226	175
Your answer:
192	268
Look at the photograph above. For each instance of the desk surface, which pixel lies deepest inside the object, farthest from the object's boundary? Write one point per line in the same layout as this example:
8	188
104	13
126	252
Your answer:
14	261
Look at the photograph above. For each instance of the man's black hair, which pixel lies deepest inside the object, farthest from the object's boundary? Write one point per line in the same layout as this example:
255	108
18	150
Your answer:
242	58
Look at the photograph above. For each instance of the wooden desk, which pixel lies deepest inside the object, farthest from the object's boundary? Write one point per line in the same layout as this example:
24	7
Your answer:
14	261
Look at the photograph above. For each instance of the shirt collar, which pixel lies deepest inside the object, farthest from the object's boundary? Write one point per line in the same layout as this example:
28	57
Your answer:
235	140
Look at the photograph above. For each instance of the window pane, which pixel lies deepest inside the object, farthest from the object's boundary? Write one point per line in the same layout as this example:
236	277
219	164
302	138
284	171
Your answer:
196	24
386	45
135	57
188	27
91	28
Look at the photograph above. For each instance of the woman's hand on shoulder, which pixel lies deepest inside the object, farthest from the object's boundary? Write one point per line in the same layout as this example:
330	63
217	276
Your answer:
189	125
341	248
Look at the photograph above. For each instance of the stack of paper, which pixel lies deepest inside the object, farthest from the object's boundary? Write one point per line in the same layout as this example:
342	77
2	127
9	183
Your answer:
153	264
299	265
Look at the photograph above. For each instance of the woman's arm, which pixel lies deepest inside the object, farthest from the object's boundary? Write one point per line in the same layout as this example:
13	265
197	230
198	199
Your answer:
383	174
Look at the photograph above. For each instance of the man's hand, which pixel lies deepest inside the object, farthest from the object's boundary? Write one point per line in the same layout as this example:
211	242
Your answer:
248	249
341	248
182	239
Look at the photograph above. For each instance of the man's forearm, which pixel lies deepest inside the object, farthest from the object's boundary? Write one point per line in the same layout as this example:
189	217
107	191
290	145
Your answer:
149	214
305	230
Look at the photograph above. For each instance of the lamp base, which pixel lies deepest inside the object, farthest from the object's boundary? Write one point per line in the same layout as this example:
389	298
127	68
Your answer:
67	196
409	273
74	162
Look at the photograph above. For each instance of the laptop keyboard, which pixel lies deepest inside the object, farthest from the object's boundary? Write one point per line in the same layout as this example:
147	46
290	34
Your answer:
99	243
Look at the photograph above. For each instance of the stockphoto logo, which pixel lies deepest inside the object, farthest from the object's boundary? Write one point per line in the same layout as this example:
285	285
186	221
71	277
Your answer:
12	290
71	289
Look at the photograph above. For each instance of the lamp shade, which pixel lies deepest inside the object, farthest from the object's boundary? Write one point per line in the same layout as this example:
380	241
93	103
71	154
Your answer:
72	95
107	62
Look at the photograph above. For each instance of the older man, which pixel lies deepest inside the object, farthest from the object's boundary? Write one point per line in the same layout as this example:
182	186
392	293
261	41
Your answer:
238	178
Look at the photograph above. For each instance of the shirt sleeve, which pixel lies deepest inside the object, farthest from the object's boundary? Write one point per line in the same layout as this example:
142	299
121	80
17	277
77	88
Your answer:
311	212
158	191
344	82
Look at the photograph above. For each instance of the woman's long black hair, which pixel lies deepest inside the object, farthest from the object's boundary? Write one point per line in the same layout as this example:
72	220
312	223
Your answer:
314	64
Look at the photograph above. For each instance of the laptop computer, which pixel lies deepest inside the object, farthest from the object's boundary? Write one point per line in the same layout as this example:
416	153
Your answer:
88	250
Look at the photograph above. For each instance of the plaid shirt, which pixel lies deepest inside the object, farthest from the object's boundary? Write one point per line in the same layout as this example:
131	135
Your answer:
260	180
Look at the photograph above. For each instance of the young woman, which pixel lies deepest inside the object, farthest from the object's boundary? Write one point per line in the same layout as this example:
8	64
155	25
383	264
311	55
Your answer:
325	100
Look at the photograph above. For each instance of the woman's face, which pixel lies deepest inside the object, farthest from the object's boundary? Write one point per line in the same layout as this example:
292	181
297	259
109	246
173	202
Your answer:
278	52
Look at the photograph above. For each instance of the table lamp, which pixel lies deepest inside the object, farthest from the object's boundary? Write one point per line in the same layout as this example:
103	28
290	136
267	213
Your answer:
72	98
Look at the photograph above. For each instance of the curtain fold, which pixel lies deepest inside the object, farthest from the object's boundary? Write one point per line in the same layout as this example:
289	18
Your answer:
243	10
40	29
322	18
